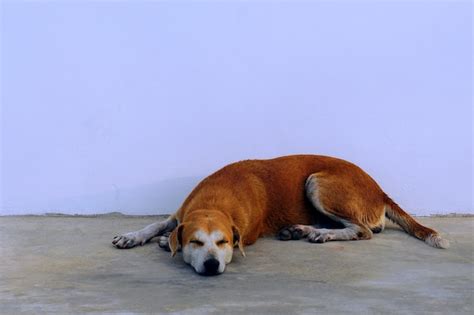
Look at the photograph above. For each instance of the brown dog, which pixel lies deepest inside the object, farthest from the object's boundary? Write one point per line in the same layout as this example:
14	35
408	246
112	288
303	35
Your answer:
290	195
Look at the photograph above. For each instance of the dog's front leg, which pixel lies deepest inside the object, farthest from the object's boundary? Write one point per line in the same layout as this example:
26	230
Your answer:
140	237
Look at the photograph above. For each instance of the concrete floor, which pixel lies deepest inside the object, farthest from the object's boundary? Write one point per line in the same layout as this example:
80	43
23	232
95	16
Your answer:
68	265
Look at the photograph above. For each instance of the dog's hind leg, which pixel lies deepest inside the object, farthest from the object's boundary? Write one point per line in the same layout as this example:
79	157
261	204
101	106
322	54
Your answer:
351	200
316	235
140	237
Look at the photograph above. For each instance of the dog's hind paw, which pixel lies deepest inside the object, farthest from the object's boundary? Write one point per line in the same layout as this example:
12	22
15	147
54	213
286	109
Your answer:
293	232
317	237
284	234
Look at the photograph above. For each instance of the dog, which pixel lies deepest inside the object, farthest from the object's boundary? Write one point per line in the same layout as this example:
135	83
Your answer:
287	196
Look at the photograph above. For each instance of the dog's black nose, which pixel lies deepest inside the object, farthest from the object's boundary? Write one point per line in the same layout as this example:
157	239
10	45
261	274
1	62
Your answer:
211	266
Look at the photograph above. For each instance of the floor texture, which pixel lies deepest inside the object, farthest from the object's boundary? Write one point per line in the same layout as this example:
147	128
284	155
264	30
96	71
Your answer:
67	265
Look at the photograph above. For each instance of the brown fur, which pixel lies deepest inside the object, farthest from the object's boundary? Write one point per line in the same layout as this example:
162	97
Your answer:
259	197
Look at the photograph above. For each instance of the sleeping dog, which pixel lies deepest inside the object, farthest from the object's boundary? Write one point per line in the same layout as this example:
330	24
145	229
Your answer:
287	196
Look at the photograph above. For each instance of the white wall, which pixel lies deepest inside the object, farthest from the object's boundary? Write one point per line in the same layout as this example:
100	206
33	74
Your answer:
125	106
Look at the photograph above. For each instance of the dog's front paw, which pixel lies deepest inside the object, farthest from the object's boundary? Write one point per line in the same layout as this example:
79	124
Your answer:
128	240
294	232
163	241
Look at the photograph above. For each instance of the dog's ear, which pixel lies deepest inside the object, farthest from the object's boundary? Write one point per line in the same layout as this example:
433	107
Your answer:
176	239
238	240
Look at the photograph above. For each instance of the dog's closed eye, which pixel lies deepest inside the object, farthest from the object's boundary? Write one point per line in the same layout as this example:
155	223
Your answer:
197	242
222	242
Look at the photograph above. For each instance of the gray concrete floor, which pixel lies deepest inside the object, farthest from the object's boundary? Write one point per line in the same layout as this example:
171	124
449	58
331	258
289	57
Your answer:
68	265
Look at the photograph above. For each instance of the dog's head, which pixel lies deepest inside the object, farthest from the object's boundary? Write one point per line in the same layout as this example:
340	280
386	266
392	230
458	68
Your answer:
207	239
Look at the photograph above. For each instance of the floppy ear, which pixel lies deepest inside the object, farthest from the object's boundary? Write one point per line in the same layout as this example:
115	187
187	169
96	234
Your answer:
175	240
237	239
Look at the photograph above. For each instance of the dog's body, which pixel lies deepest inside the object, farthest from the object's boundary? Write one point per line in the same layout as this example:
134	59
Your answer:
249	199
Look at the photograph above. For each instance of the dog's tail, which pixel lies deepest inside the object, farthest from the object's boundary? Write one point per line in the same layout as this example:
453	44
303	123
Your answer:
397	215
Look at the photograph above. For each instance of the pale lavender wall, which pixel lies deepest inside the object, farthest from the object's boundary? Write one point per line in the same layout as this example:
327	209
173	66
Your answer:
124	106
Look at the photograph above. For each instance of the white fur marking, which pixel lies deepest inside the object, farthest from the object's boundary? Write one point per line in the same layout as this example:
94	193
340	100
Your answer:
196	255
437	241
312	191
